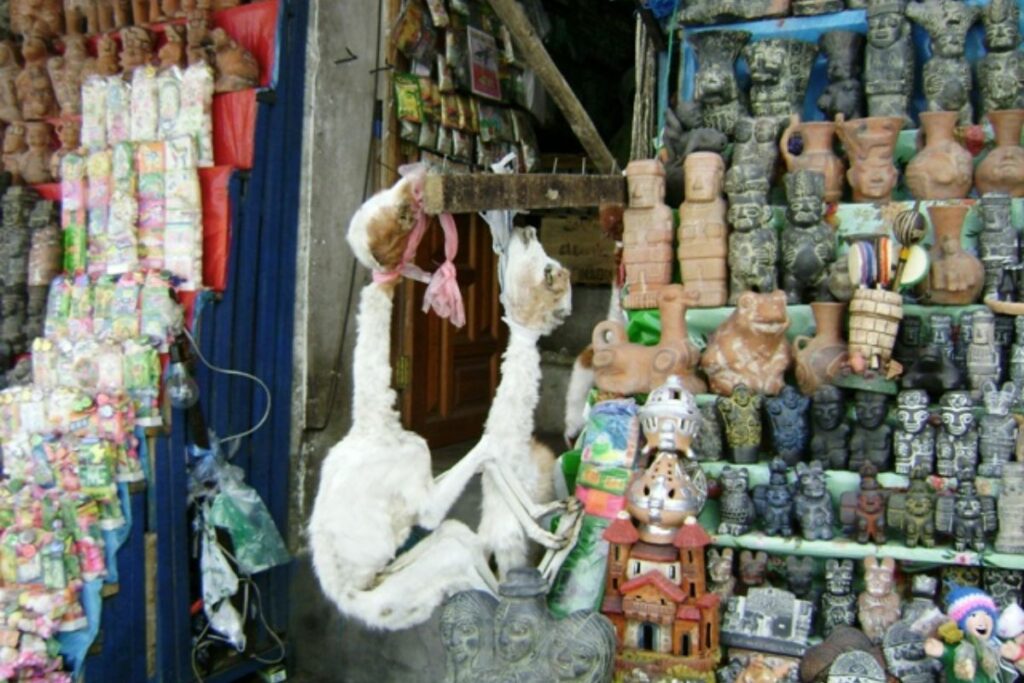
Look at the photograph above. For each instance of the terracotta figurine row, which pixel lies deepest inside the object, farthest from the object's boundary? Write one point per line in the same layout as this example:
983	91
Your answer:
52	18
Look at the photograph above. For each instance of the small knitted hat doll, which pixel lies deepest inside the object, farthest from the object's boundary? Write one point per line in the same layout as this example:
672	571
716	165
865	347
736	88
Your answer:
971	654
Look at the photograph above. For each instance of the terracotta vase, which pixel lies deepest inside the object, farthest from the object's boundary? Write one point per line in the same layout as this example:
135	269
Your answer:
1003	169
869	144
821	358
817	154
956	277
943	169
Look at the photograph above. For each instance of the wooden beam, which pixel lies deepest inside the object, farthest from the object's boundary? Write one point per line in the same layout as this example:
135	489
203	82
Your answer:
537	57
472	192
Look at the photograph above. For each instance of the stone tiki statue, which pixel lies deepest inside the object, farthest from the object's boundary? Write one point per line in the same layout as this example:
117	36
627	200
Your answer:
913	512
808	243
647	235
914	440
838	603
779	71
753	243
756	142
956	447
714	85
997	241
703	234
983	358
830	435
947	75
997	430
1001	70
888	59
872	437
813	504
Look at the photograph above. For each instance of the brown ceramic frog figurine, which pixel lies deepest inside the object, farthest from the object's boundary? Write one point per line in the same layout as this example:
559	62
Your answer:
236	68
750	346
35	162
35	92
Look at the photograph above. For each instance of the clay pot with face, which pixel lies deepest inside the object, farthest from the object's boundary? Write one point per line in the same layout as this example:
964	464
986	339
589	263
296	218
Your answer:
870	143
956	277
943	169
817	154
1002	170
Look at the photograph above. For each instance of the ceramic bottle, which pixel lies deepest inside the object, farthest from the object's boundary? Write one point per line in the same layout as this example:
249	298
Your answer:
943	168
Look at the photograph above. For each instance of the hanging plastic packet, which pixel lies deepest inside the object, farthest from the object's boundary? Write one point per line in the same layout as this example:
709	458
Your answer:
462	145
169	99
162	318
80	308
109	367
456	51
58	307
450	110
44	363
122	235
196	120
100	168
219	584
73	212
145	104
96	462
444	141
438	13
103	306
428	134
408	106
125	307
149	161
142	382
32	409
413	34
119	110
83	364
183	232
94	113
87	535
430	98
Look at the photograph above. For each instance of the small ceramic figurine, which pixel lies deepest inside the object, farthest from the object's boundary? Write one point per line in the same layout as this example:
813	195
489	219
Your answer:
703	233
707	443
35	162
956	276
997	241
35	92
878	607
838	602
736	508
888	59
779	71
956	446
935	369
869	145
872	436
943	169
967	645
173	51
756	142
813	505
197	35
236	68
10	109
723	583
914	440
1002	169
714	85
1011	630
69	131
947	75
774	501
647	235
1001	70
845	92
787	419
1017	358
1011	509
750	347
14	148
800	576
968	517
830	435
997	429
808	146
808	243
863	510
753	243
137	48
741	415
753	568
913	512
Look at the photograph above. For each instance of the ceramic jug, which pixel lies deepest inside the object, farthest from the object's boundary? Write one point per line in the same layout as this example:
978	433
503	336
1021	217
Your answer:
1002	170
869	144
817	154
943	168
821	358
956	277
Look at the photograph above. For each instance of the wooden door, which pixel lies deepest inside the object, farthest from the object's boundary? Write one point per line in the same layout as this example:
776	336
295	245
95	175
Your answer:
449	375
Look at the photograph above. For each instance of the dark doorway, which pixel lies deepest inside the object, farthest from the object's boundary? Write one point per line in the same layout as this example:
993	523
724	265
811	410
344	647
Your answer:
648	636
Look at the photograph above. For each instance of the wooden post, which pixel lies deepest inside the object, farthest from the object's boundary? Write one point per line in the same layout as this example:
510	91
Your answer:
539	60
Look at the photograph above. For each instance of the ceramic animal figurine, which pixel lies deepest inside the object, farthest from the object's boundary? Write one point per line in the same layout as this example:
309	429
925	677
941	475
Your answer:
707	444
736	507
968	517
723	583
35	161
863	510
1001	70
741	415
753	242
779	71
703	233
844	93
137	48
869	145
997	241
808	244
878	607
813	505
956	447
10	108
35	92
967	646
872	436
935	369
888	59
947	75
753	568
756	143
830	434
714	85
774	501
647	235
621	367
787	418
236	68
997	429
1011	506
750	347
800	576
838	602
914	440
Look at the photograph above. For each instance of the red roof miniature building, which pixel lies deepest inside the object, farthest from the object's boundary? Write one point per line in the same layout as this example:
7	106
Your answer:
622	531
656	578
691	536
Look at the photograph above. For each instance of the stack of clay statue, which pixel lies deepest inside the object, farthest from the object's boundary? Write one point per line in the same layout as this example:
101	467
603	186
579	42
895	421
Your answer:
27	154
647	235
750	347
808	243
626	369
703	234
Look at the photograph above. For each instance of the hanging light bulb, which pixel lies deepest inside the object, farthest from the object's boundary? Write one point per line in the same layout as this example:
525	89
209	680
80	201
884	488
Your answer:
182	390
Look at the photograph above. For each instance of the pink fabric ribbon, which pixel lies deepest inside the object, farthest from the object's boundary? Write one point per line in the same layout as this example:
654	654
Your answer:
442	295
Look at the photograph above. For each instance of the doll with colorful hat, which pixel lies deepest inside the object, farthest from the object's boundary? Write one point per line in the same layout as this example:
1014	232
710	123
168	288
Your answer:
967	644
1011	630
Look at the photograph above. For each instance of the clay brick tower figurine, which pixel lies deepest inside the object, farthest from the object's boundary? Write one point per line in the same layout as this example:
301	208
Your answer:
647	235
703	233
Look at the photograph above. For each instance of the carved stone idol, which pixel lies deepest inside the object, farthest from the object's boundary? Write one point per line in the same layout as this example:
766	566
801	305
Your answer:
723	583
735	506
845	91
956	276
703	233
830	433
753	568
944	169
35	92
997	241
755	142
802	8
965	333
888	59
808	243
707	444
713	11
809	146
968	517
878	607
956	447
1004	585
714	85
774	501
235	66
914	440
813	503
838	603
787	420
872	437
997	430
947	75
913	512
1017	358
869	144
750	347
647	235
903	645
753	243
863	511
741	415
1001	70
983	360
800	577
935	370
1011	509
779	71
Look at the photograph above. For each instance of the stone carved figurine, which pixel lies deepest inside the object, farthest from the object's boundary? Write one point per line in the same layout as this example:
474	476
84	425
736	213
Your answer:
774	501
736	507
67	72
878	607
863	510
35	162
753	243
703	232
1001	70
914	440
750	347
800	576
997	241
753	568
968	517
813	505
779	71
913	512
1004	585
935	369
808	243
947	75
872	437
741	415
723	583
830	434
707	443
838	602
903	645
888	59
787	419
956	447
755	142
1011	509
983	357
1017	358
844	93
997	429
964	334
715	89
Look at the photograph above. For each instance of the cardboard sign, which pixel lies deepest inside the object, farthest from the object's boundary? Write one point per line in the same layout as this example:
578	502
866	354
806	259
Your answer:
578	244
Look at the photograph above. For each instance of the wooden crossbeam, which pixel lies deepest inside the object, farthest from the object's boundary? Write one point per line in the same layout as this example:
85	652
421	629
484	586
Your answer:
469	193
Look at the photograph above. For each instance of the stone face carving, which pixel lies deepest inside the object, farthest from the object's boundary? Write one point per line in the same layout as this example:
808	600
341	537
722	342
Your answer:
808	243
956	276
935	369
753	568
723	583
779	71
872	437
947	75
943	169
968	517
813	503
1011	509
997	241
869	144
838	603
956	447
755	142
914	440
714	85
703	234
903	645
830	433
845	91
878	607
913	512
647	235
707	443
741	415
750	347
816	154
787	420
997	429
774	501
753	243
983	358
1001	70
888	59
736	507
1002	169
